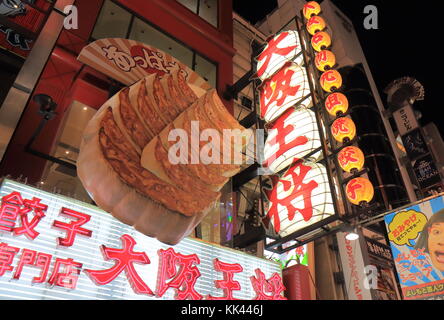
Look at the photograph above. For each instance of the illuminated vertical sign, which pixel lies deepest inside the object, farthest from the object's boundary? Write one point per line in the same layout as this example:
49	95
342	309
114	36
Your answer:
302	195
353	268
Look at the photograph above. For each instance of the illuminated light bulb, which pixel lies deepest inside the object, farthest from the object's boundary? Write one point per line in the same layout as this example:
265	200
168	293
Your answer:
359	191
336	104
352	236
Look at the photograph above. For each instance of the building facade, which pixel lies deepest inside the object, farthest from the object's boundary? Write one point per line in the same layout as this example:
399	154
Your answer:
197	33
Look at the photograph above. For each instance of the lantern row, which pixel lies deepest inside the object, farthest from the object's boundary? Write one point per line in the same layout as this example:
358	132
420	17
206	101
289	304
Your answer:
351	159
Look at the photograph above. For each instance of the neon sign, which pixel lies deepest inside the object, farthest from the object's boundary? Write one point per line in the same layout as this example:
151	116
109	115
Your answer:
53	247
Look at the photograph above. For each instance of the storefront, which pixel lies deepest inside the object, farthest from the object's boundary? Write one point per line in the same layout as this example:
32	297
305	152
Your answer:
197	33
54	242
55	247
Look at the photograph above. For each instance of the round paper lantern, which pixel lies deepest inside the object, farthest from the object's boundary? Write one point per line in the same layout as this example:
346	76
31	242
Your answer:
283	90
310	9
359	191
321	41
351	159
315	24
301	198
331	80
293	136
336	103
325	60
284	47
343	129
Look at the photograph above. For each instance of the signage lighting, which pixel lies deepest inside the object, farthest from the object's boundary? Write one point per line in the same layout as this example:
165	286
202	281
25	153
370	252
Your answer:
359	191
301	198
284	90
284	47
336	104
54	247
293	136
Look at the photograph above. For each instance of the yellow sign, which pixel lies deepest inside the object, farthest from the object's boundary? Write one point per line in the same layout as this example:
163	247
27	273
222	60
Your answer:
406	226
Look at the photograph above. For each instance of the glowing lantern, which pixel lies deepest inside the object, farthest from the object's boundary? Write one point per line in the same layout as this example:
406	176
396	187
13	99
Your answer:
283	48
310	9
343	129
359	191
283	90
301	198
315	24
331	80
325	60
321	41
351	159
293	136
336	104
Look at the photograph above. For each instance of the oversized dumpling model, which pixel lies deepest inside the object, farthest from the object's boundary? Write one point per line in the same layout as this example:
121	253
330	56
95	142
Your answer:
124	163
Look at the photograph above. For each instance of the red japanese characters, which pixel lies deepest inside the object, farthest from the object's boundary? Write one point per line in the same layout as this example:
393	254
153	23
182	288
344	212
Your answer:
301	197
293	136
178	275
279	50
283	90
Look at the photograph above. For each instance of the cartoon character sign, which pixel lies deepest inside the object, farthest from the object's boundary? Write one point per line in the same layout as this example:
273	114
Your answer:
12	7
417	240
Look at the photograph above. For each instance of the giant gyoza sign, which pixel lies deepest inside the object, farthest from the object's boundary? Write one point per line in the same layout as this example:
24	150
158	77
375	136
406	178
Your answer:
302	196
53	247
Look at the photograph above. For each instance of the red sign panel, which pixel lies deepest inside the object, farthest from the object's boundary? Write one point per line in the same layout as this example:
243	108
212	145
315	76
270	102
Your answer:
29	15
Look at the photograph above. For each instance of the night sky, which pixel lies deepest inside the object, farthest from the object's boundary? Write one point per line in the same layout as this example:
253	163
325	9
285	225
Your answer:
406	44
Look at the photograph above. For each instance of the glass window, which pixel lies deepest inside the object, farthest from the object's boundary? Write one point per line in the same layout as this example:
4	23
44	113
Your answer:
113	22
208	11
206	69
145	33
58	177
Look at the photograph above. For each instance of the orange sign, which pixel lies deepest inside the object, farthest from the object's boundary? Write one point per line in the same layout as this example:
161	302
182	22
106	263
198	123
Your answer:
331	80
351	158
359	190
325	60
343	129
336	103
321	41
310	9
315	24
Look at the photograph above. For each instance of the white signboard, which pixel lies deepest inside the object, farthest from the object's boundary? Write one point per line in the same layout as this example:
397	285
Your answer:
405	120
54	247
353	268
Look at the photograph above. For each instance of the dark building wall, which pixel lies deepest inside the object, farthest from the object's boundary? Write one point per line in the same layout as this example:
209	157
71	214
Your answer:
373	140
